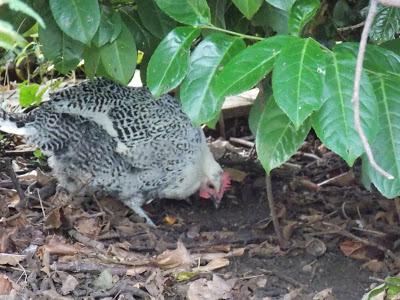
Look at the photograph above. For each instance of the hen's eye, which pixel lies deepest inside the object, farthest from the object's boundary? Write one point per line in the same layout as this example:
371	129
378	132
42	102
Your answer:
210	186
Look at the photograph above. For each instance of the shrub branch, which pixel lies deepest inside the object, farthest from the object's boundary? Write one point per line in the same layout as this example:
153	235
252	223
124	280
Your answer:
357	79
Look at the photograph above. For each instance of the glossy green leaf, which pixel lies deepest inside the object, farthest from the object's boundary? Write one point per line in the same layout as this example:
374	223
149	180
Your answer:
197	90
271	17
298	79
386	146
119	57
190	12
18	5
248	7
334	123
153	19
255	113
377	59
392	45
170	61
58	47
285	5
386	24
109	28
91	57
277	139
78	19
342	14
9	38
145	41
301	13
249	66
218	10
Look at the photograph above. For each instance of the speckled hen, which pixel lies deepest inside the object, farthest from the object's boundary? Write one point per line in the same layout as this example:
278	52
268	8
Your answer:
99	135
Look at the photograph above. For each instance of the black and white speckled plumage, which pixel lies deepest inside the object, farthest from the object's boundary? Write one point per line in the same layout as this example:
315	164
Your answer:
103	136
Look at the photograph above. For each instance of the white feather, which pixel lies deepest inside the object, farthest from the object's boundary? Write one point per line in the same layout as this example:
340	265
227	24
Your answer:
10	127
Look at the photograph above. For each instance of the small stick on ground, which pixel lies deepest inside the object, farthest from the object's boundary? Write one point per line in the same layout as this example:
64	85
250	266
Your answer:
274	217
10	172
87	241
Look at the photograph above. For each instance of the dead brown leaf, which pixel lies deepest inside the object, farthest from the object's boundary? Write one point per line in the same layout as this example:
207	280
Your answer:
88	226
5	285
5	234
218	255
214	264
155	284
236	175
288	229
325	294
128	257
58	246
11	259
374	265
170	220
53	219
349	247
215	289
136	271
69	284
170	259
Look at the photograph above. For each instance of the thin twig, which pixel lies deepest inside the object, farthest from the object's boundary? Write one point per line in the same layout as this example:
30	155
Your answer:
356	92
274	217
351	27
10	172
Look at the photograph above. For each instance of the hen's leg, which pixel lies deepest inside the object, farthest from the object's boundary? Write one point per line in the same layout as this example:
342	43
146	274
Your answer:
136	206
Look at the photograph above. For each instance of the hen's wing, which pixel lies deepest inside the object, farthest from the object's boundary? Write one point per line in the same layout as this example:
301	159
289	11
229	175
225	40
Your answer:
153	132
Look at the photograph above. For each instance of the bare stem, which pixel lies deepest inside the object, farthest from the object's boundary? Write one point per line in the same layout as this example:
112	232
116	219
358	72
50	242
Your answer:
244	36
356	92
274	217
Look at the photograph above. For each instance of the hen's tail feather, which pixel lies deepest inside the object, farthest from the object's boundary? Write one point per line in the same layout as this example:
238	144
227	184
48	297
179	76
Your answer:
15	123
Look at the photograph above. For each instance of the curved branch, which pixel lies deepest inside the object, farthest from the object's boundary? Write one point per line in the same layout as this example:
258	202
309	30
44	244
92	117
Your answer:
356	92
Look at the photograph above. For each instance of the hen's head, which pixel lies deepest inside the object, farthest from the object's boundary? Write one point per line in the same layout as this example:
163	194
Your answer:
215	181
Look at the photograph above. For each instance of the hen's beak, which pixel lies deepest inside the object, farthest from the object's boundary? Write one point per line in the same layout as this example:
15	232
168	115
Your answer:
217	201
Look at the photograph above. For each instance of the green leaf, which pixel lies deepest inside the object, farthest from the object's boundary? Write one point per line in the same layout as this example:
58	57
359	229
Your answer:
301	13
277	139
145	41
377	59
29	94
248	7
153	19
58	47
334	123
190	12
273	17
8	37
218	10
109	28
342	14
298	79
386	146
386	24
119	57
255	113
170	61
197	90
249	66
285	5
91	56
18	5
78	19
393	45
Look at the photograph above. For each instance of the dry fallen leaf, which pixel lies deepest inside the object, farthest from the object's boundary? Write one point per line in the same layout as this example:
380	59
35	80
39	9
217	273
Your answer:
349	247
136	271
53	219
292	295
215	289
213	265
374	265
170	220
170	259
88	226
236	175
325	294
217	255
11	259
69	284
128	257
5	285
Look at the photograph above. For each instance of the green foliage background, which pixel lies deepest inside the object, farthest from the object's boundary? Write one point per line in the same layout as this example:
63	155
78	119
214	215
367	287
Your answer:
212	49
